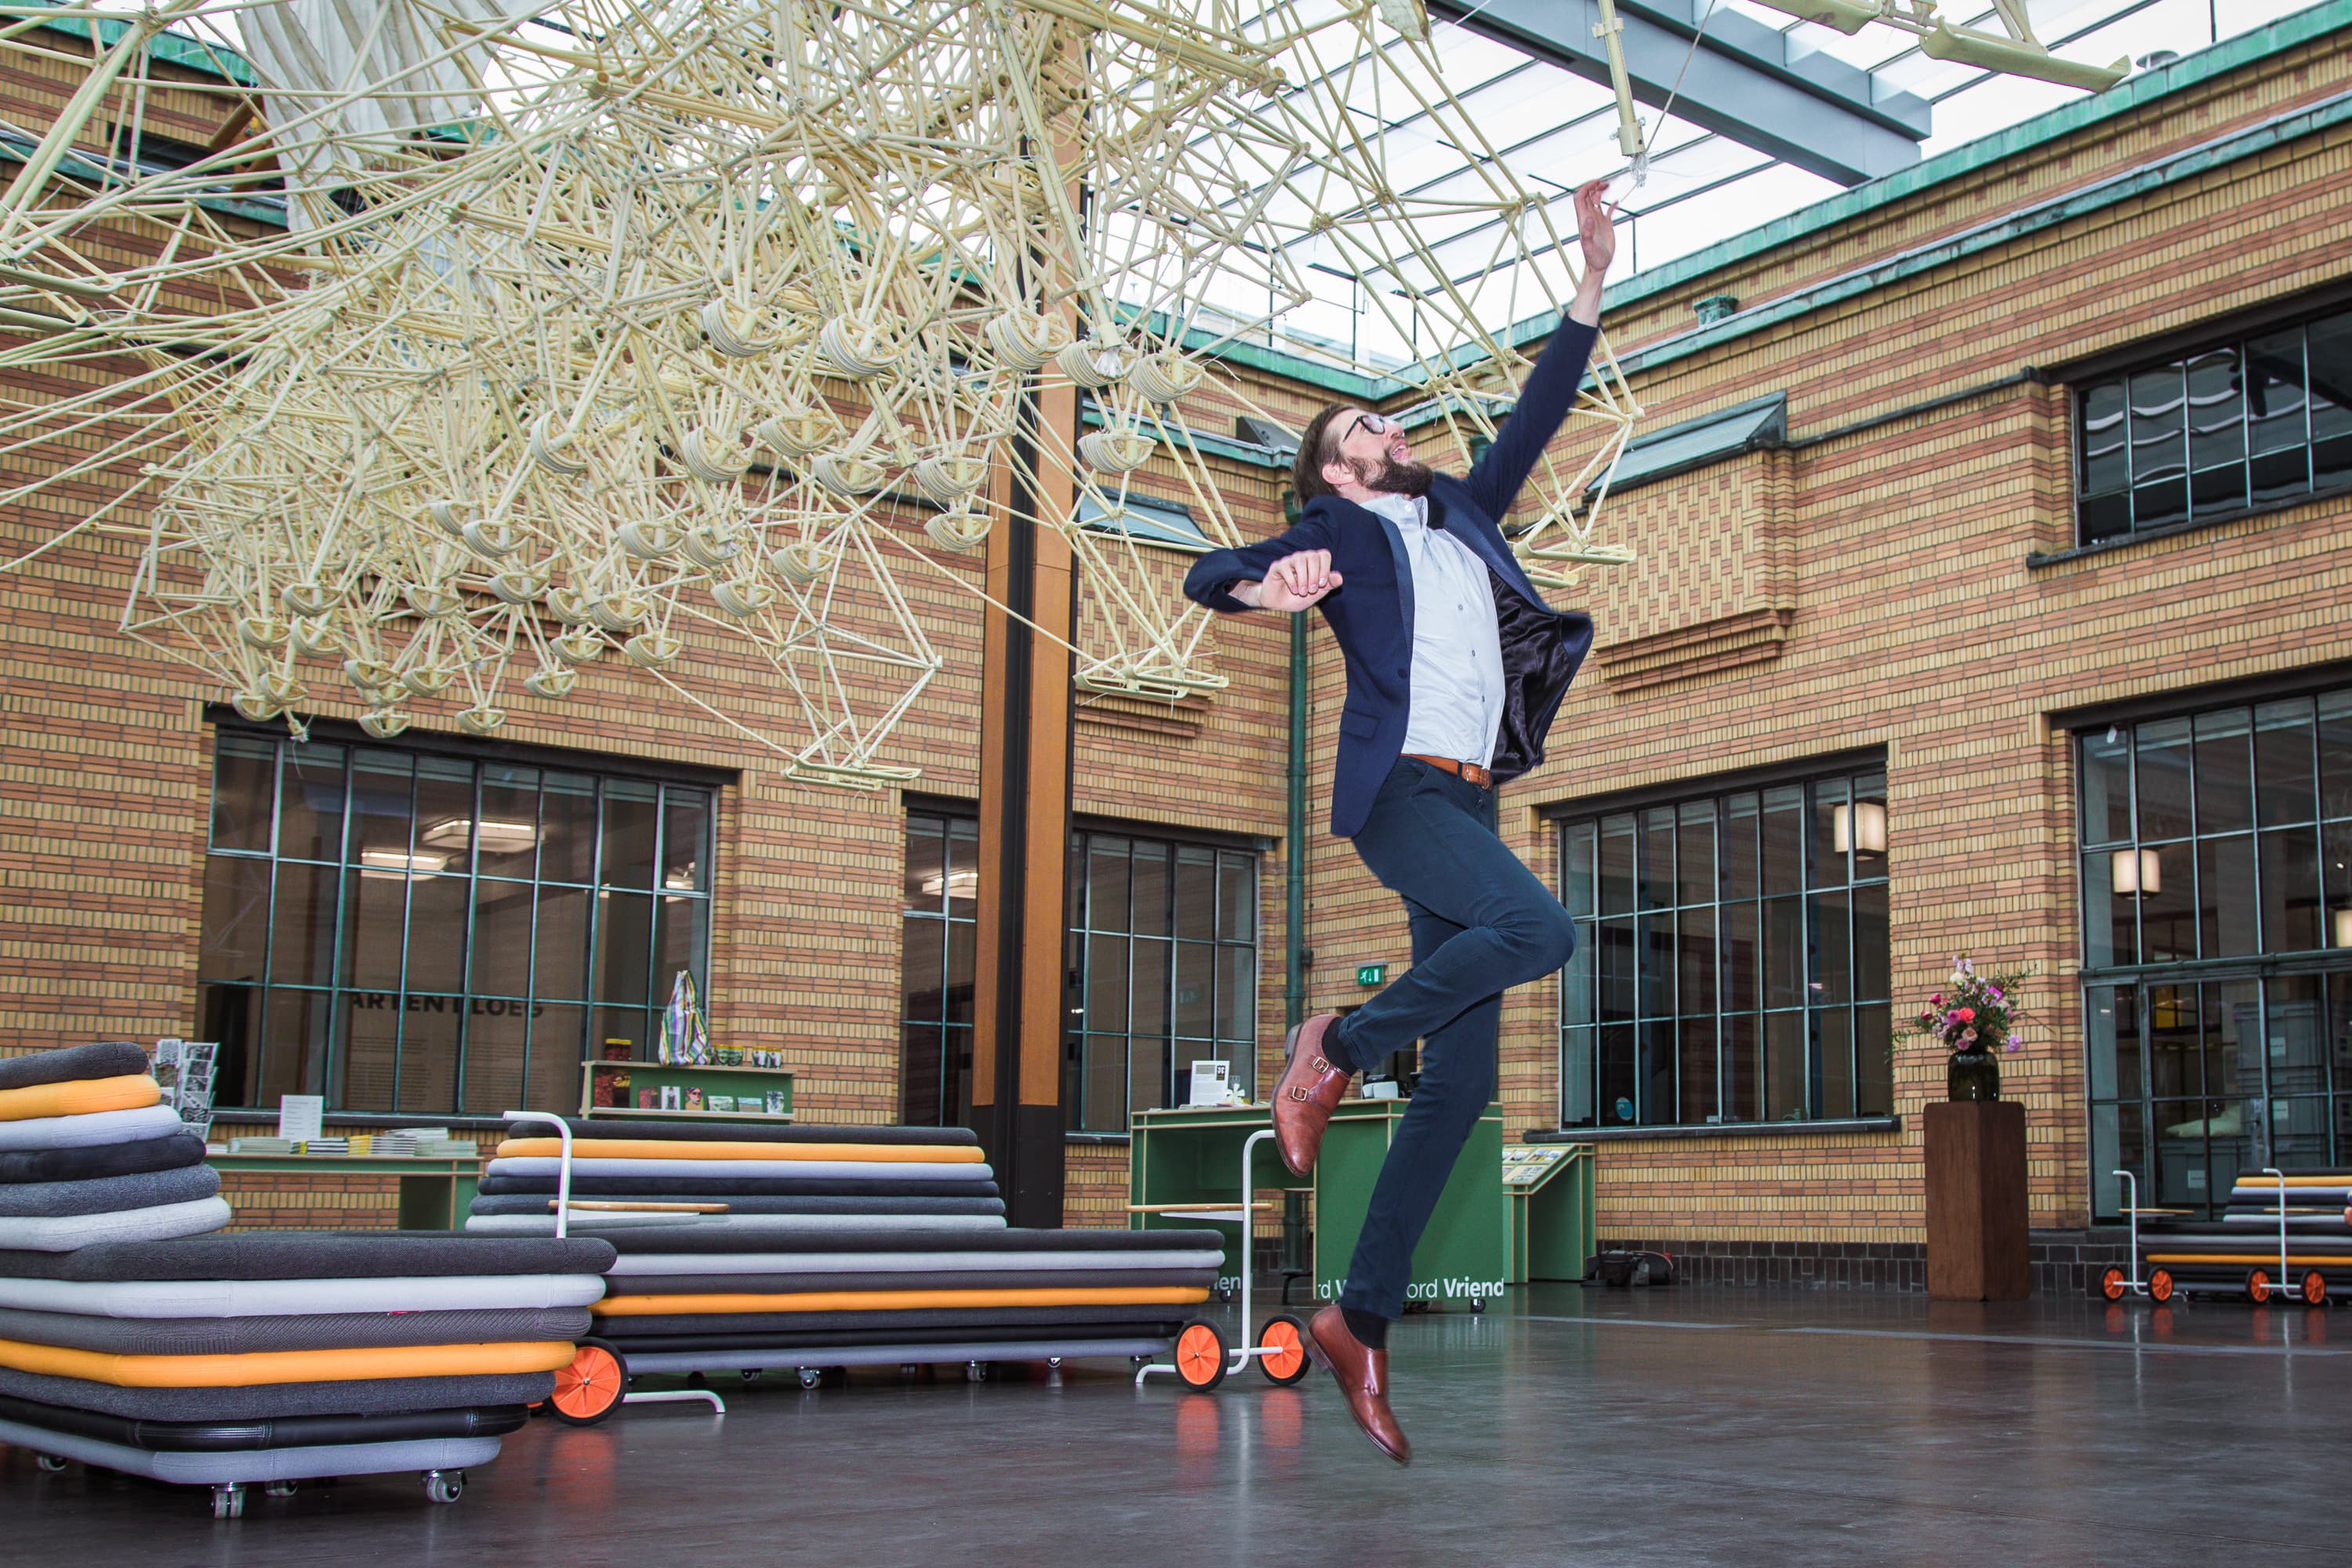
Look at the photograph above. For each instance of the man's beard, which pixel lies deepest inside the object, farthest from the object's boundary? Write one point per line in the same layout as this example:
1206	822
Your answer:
1392	477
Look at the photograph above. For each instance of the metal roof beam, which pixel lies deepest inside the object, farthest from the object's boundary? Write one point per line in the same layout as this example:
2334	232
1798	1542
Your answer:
1745	80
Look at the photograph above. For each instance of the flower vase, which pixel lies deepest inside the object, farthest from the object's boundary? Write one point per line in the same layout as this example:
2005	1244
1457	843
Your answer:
1974	1074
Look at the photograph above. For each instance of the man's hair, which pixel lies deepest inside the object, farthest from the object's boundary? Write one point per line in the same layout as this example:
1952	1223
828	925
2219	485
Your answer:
1307	480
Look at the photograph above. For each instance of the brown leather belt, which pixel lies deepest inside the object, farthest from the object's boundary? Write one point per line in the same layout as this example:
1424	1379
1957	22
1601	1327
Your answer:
1470	770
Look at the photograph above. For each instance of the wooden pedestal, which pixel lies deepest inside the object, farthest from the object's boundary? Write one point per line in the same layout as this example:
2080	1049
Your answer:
1976	1202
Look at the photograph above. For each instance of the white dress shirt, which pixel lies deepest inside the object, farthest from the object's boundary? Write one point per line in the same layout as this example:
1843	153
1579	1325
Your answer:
1455	703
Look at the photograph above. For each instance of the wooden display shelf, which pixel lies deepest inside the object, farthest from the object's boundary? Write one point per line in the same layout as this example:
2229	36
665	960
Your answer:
711	1079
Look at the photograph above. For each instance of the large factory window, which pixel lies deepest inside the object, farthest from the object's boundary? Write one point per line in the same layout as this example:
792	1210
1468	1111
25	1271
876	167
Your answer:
1731	957
409	931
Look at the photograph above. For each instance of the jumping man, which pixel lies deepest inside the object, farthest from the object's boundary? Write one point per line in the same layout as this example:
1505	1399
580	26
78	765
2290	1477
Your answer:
1455	667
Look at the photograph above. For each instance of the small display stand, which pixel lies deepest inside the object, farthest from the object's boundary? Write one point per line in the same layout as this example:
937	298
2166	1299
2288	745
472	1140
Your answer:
683	1091
1182	1163
1550	1189
1976	1243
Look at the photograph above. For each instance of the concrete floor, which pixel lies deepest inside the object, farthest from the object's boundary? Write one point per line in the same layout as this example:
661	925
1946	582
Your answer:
1675	1426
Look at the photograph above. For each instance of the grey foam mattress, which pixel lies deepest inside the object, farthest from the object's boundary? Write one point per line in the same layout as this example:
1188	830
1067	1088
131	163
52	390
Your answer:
748	1226
766	1326
72	1232
268	1401
258	1463
292	1331
286	1432
290	1298
670	1188
313	1255
739	1202
1007	1239
1017	1280
90	1128
169	1152
630	1270
104	1194
103	1058
704	1132
926	1171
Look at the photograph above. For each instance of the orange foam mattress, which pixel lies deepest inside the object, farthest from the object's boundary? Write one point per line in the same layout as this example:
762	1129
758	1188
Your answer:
678	1149
900	1301
284	1366
80	1097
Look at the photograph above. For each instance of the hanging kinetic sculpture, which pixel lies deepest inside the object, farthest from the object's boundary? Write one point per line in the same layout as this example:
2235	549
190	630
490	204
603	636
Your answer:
481	346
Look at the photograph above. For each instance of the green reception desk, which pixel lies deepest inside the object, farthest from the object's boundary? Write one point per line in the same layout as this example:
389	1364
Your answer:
435	1193
1187	1156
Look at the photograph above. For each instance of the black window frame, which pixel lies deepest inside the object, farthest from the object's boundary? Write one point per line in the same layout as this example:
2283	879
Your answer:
1846	1071
2222	1031
477	998
2175	377
1231	1033
935	1048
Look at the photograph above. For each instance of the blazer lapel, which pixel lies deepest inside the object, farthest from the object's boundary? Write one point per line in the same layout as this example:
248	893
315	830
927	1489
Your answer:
1504	563
1396	552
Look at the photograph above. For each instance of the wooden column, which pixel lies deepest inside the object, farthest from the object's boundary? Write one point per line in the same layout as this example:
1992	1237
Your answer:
1019	1010
1976	1244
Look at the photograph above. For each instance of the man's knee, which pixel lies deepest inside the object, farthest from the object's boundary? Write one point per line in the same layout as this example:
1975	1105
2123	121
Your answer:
1544	933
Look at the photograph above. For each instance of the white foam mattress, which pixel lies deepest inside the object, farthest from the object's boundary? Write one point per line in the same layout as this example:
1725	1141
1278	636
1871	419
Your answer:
91	1128
274	1298
69	1233
591	1223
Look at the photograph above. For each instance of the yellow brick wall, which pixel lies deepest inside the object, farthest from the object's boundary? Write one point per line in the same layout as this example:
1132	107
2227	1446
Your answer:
1888	603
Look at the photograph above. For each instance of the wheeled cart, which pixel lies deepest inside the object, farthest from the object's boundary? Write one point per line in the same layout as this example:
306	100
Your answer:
1201	1359
2219	1262
442	1462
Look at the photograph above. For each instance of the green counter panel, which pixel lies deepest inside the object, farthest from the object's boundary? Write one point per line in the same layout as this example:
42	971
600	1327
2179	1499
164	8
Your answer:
1195	1156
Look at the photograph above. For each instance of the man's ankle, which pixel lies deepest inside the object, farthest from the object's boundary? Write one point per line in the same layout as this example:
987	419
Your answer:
1372	1330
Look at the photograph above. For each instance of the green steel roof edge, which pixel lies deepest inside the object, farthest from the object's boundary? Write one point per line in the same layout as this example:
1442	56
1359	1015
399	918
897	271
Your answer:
2188	164
177	48
2190	70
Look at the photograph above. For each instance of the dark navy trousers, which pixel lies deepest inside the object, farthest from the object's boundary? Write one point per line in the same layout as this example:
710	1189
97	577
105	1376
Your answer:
1482	922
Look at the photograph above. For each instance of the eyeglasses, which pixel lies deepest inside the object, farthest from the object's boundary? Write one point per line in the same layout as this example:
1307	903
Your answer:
1378	424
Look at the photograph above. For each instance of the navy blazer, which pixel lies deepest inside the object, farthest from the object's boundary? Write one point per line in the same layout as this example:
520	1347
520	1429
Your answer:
1372	611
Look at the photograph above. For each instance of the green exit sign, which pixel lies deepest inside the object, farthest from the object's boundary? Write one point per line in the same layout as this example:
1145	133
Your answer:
1371	973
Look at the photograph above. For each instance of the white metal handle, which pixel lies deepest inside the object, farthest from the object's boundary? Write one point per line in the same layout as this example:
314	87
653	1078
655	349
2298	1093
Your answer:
562	1165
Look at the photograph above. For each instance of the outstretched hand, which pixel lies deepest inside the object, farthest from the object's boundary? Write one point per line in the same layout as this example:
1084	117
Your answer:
1594	228
1296	582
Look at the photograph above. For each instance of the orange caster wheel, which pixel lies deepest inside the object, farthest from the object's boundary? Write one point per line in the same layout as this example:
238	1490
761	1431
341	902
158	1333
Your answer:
1200	1355
2160	1286
590	1389
2314	1289
2113	1283
1284	1338
2258	1286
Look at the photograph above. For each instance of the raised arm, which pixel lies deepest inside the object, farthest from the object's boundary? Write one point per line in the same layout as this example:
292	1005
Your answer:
1550	389
1232	580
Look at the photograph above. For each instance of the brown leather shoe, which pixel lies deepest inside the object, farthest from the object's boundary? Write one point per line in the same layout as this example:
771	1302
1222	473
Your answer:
1363	1377
1311	1086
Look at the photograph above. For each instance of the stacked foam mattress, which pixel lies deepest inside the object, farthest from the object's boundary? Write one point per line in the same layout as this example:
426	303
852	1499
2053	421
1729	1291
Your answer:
936	1276
2240	1253
268	1356
89	1153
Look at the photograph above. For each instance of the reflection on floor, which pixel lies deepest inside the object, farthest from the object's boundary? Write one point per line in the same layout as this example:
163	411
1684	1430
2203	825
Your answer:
1678	1426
